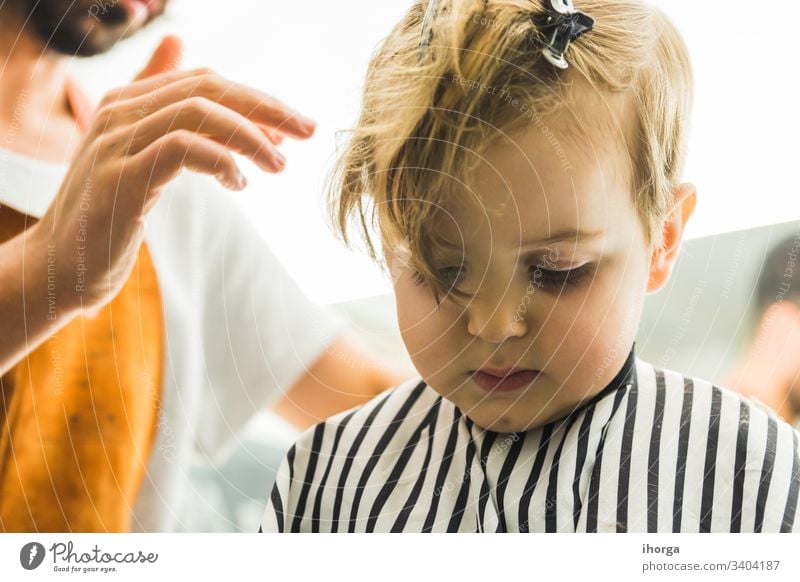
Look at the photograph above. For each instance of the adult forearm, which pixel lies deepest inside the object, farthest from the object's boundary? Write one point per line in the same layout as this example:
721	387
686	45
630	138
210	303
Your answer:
344	376
34	304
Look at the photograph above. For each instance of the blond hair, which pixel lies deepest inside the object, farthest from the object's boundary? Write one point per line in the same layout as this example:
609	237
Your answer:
427	114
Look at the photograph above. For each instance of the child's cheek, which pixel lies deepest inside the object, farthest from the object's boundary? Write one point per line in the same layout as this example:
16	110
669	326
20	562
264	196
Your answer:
606	343
592	328
416	312
429	333
415	303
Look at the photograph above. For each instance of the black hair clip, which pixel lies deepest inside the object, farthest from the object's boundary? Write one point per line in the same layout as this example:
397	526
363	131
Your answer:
562	24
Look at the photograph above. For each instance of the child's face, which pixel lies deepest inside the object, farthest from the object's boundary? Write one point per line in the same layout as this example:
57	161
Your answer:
574	336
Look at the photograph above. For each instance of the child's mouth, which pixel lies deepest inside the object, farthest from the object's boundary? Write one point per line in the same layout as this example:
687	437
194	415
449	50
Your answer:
503	380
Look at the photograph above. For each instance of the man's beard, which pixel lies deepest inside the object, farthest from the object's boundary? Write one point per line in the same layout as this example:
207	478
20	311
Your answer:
79	27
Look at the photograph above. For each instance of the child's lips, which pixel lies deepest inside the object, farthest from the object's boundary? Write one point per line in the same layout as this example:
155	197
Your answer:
503	380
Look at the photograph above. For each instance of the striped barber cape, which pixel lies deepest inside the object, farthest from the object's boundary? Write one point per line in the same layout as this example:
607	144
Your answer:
654	451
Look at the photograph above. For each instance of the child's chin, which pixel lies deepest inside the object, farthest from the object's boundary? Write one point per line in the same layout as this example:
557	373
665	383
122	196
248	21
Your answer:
501	423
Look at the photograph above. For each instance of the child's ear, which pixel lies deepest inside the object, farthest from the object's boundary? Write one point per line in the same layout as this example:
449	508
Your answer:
664	257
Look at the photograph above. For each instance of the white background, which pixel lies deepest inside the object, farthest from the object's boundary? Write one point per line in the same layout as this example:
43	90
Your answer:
401	558
313	55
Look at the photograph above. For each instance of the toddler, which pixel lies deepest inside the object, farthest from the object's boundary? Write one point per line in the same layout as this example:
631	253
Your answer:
516	168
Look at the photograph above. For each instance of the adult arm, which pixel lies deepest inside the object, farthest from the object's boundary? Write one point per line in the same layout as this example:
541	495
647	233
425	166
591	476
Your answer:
143	136
26	317
342	377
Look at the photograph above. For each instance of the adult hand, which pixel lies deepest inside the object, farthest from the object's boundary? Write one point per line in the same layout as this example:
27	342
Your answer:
141	138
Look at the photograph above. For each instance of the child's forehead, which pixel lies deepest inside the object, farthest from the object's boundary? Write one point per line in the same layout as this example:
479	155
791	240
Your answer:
563	163
532	186
511	213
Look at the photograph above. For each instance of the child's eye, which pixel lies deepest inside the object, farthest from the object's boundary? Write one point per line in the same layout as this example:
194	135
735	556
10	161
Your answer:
553	278
452	274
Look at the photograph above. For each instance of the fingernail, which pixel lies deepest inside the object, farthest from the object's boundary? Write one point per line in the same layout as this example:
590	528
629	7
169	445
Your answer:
279	161
242	181
308	125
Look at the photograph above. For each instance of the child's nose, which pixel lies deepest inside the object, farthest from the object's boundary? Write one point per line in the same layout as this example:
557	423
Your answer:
497	320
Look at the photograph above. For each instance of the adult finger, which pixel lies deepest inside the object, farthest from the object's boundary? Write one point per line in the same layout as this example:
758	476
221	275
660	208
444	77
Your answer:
223	125
166	57
163	160
253	104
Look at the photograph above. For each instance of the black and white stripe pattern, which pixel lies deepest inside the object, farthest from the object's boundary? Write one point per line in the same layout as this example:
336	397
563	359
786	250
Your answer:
655	451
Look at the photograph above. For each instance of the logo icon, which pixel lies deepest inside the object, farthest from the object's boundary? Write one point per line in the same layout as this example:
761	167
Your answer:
31	555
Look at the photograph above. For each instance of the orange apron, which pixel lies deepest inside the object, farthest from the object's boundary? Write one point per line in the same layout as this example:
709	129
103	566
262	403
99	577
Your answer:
78	415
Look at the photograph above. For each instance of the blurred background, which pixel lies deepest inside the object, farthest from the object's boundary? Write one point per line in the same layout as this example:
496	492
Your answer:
313	56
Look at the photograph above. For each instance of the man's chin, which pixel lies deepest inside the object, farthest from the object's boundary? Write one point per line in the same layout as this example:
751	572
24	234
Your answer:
91	27
101	39
94	41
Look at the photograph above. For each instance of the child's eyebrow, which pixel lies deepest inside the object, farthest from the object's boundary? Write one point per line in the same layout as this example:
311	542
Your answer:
562	235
